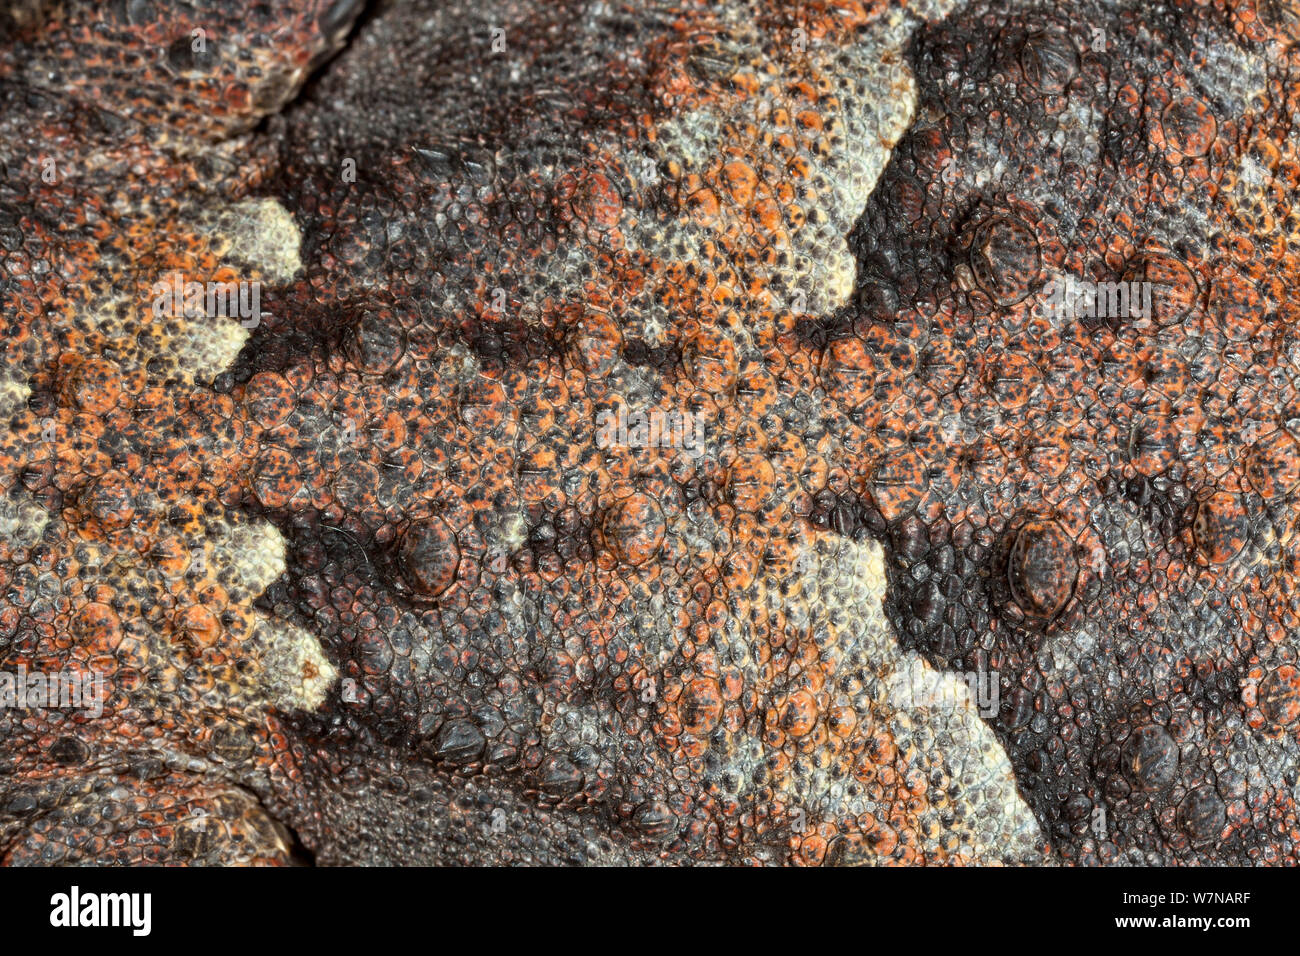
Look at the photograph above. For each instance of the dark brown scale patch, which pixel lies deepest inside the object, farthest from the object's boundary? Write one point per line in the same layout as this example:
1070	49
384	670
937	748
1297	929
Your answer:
232	744
634	528
1049	60
567	536
1221	527
280	343
664	359
1189	125
1202	815
1280	15
1279	695
376	342
1175	290
503	342
654	820
1005	259
1273	465
458	742
1163	504
429	557
69	751
1042	569
1150	758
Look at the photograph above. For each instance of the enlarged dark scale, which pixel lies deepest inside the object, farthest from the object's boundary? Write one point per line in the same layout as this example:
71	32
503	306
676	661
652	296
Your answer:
830	432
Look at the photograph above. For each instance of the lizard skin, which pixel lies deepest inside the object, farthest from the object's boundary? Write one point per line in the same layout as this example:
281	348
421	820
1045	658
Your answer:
364	581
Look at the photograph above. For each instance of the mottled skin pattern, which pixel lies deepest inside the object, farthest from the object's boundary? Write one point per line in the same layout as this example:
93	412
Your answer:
532	648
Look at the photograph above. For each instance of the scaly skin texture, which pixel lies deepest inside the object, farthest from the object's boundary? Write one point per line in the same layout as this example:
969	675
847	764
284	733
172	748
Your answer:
370	582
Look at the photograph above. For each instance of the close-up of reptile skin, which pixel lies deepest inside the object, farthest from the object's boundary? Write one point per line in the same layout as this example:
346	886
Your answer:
650	432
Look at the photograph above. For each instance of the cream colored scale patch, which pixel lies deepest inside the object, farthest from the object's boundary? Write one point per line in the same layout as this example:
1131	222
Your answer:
841	594
844	158
259	239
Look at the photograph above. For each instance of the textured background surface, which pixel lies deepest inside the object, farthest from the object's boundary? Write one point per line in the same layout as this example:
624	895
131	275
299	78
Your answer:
365	582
